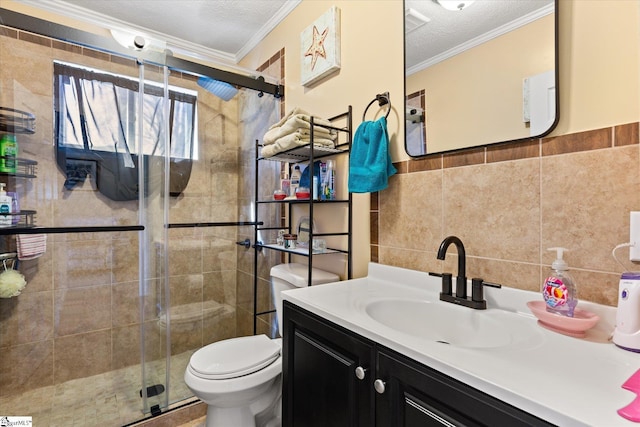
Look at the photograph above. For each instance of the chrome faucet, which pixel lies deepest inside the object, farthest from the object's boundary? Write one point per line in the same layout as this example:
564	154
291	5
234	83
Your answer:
477	300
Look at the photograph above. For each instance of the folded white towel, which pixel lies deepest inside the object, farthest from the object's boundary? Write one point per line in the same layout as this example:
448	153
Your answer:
291	128
291	141
31	246
287	116
298	120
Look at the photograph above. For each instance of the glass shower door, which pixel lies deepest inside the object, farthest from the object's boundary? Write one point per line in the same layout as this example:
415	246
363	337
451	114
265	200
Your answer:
152	146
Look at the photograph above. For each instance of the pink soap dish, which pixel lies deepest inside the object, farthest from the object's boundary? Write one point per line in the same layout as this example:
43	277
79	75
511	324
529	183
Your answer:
576	326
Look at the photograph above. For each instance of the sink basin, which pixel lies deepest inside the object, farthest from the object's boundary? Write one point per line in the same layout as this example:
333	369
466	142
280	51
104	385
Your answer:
454	325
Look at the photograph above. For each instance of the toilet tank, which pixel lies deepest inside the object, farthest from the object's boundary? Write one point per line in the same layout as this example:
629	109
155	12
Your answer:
294	275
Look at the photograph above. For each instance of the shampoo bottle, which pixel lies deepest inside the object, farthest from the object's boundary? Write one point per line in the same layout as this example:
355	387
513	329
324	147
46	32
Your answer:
6	207
559	289
295	180
8	153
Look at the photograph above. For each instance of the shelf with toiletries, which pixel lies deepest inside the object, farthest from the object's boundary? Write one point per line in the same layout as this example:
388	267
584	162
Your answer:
20	219
24	168
12	124
299	250
317	169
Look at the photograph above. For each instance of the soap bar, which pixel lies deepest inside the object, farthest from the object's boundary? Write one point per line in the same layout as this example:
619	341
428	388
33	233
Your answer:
632	410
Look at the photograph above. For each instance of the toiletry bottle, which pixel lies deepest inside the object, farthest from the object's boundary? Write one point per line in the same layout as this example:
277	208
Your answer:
295	180
6	205
8	153
331	180
559	289
323	180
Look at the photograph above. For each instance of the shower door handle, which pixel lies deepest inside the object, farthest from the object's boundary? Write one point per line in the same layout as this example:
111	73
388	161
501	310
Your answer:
246	243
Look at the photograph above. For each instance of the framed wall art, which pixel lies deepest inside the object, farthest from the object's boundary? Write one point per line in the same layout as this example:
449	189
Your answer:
320	47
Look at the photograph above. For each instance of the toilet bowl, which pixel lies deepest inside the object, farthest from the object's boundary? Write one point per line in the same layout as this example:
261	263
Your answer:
240	378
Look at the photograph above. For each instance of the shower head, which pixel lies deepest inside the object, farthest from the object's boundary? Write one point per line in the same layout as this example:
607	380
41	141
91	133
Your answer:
220	89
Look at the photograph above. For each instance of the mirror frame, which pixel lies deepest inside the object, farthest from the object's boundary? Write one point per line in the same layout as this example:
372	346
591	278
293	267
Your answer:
510	141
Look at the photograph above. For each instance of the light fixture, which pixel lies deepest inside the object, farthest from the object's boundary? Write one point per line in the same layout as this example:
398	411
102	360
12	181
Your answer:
454	4
414	20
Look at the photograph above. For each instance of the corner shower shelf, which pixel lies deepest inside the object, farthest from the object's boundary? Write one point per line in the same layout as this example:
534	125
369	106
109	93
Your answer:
25	168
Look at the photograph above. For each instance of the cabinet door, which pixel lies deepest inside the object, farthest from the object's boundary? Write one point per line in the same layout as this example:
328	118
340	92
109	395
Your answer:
322	363
415	395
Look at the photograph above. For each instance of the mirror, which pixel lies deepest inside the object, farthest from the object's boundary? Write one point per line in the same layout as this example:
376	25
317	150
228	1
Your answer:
481	75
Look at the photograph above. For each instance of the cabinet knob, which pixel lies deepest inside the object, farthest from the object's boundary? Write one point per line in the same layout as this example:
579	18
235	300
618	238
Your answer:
379	386
361	372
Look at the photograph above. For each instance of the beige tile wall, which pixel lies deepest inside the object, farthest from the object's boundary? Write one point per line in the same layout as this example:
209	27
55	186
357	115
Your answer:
79	314
509	203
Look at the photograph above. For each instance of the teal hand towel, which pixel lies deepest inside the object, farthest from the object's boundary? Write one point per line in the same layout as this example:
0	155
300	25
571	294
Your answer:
370	164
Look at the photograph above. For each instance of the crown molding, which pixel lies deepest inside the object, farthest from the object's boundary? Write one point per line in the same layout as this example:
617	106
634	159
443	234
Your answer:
508	27
174	44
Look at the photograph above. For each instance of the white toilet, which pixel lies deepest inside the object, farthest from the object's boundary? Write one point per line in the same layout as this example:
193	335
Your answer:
239	378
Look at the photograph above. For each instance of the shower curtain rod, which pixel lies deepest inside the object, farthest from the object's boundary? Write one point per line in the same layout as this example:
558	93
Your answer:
39	26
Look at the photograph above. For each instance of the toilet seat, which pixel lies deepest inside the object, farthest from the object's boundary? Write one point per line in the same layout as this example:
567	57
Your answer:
235	357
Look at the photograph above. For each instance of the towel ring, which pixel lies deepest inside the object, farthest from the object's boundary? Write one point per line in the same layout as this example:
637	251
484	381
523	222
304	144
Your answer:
383	99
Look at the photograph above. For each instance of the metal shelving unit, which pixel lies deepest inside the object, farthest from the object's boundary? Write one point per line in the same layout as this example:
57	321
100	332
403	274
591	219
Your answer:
303	154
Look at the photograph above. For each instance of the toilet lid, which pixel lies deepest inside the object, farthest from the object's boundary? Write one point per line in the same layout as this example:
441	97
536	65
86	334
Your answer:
234	357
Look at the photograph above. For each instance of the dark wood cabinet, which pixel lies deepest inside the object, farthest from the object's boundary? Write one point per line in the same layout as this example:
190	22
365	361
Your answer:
416	395
322	366
326	373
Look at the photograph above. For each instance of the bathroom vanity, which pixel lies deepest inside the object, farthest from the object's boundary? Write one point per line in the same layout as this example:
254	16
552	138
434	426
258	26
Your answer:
383	350
334	377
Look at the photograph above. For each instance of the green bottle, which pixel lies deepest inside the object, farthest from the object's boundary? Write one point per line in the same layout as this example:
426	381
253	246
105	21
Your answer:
8	153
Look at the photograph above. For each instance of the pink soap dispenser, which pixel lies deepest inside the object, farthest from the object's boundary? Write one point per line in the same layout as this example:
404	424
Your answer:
559	289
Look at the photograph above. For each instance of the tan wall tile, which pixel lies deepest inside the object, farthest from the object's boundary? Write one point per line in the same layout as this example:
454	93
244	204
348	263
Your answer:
83	309
26	319
26	367
220	286
125	303
486	206
124	253
186	289
82	263
507	212
220	326
82	355
585	202
409	216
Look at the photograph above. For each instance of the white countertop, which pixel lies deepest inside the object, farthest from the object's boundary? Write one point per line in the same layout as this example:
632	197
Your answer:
564	380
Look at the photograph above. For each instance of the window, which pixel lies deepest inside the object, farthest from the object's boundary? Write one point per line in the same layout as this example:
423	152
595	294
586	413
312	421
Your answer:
96	129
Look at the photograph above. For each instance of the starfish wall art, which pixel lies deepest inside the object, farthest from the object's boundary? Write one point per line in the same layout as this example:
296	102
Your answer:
320	47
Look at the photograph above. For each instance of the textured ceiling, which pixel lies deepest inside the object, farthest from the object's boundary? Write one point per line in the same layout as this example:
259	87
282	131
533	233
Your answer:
219	29
226	30
448	30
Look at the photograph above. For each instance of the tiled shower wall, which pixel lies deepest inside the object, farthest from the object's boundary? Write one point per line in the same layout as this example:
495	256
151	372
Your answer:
509	203
79	314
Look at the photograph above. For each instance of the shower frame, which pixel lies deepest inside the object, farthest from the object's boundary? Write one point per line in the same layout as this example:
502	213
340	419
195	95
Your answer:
167	63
